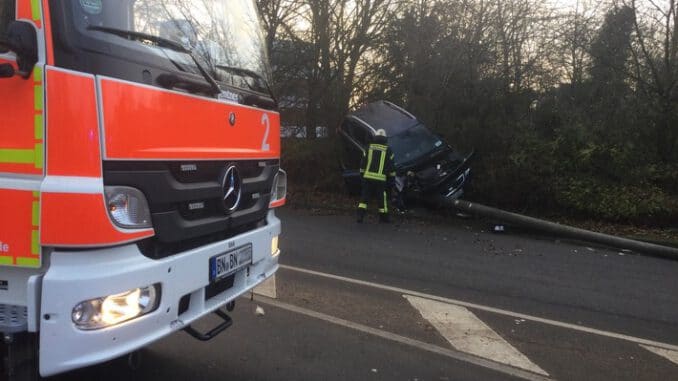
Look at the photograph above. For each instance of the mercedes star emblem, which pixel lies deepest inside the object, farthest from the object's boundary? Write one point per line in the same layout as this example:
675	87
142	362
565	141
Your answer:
232	188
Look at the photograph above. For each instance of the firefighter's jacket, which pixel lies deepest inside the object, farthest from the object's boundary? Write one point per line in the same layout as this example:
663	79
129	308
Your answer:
377	163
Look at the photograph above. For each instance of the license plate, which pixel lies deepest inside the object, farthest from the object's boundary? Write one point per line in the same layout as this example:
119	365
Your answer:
226	264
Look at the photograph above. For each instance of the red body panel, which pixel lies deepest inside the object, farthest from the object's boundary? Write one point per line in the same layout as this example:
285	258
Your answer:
21	135
73	126
147	123
73	219
19	228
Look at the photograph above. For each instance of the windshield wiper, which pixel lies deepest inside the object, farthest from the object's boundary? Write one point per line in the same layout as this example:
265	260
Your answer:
161	42
248	73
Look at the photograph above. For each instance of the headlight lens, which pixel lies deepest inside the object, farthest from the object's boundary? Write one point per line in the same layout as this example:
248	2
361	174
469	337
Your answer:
128	207
114	309
279	189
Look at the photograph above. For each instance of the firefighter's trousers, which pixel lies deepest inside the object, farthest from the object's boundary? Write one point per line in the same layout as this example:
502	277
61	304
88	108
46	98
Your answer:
374	190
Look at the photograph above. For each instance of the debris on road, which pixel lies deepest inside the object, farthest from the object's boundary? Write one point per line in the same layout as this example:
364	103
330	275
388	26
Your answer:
259	311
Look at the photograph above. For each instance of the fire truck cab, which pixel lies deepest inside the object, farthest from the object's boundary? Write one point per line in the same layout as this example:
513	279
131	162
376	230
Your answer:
139	173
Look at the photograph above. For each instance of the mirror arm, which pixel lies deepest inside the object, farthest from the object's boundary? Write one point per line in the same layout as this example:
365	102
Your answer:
22	40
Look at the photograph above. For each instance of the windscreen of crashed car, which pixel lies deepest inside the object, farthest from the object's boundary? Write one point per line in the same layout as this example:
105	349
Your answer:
413	143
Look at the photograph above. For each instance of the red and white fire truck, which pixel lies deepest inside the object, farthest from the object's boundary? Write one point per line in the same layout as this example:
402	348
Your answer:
139	172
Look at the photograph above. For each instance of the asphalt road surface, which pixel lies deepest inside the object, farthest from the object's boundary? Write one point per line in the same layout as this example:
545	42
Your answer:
422	301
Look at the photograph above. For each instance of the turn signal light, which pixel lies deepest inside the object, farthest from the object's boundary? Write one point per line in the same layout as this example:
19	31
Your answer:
279	189
128	207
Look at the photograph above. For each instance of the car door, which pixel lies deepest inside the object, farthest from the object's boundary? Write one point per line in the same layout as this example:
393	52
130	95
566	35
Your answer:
21	146
354	141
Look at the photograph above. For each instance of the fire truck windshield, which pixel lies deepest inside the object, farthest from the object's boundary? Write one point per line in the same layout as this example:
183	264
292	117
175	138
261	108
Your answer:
223	35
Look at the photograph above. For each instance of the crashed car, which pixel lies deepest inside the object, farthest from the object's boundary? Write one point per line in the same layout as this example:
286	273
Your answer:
427	167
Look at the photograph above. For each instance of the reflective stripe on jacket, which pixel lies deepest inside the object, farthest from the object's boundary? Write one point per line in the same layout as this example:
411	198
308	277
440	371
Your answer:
377	163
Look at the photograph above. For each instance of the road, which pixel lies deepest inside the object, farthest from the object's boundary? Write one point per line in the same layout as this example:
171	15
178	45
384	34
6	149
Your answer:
446	301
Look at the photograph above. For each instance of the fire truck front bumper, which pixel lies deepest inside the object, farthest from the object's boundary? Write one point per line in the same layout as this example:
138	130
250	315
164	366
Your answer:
185	286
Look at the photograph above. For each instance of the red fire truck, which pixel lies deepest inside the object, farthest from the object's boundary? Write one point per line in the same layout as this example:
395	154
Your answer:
139	173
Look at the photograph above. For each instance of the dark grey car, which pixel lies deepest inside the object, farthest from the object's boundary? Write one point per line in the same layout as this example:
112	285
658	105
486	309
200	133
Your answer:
430	168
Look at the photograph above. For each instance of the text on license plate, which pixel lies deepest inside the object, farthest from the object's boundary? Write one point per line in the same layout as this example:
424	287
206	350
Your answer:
228	263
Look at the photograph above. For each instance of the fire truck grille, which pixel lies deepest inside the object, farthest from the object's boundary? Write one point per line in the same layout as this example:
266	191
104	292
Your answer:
186	200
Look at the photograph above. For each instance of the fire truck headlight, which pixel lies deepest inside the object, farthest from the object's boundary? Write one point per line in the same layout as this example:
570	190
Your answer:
279	189
114	309
128	207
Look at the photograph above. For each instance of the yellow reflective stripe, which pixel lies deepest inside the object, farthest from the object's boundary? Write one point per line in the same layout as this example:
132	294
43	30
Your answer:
39	103
35	234
37	126
374	176
38	119
36	213
382	162
35	10
39	157
28	262
369	160
37	74
17	156
38	97
35	242
362	205
385	203
23	156
6	260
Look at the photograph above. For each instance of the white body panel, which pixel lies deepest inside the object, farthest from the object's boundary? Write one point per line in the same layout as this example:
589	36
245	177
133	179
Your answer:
74	277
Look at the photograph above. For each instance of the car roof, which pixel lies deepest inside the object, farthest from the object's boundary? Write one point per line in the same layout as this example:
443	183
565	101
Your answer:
385	115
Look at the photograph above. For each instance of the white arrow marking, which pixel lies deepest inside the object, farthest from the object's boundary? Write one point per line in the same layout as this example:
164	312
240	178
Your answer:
469	334
665	353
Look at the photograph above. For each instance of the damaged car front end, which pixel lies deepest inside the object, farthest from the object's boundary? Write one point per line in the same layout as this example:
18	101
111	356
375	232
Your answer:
428	168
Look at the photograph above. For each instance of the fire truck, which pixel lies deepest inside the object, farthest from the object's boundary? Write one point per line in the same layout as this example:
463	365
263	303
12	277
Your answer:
139	174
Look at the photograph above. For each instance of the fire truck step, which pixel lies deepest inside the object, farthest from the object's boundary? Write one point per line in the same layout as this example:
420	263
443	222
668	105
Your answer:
227	322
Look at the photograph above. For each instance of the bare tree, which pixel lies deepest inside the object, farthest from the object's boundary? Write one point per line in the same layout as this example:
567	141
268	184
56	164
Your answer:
656	67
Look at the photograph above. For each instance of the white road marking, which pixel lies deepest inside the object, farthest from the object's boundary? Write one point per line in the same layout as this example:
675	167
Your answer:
498	311
469	334
267	288
667	354
450	353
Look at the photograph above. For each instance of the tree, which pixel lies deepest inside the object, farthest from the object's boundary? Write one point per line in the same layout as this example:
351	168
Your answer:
610	55
341	37
656	69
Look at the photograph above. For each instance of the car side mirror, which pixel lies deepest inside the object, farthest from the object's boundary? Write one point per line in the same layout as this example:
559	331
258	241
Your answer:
22	40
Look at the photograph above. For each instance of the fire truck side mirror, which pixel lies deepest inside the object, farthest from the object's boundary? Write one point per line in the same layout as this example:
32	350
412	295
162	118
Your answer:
22	40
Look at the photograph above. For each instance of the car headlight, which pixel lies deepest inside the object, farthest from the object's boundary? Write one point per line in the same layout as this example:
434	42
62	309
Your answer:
128	207
114	309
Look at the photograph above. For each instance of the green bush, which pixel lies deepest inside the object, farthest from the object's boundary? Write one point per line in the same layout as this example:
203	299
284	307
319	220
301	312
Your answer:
312	164
643	203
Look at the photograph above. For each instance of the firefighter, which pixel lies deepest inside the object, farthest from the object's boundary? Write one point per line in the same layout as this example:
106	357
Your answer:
377	172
